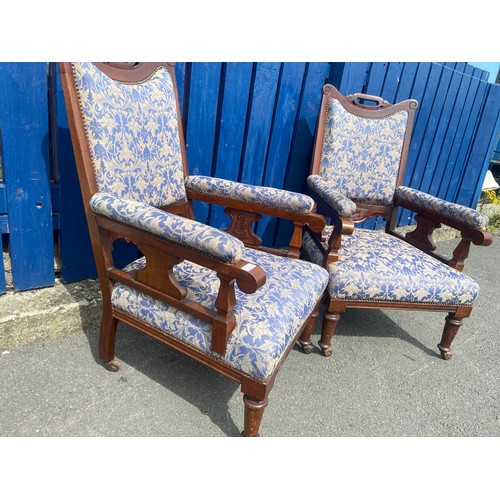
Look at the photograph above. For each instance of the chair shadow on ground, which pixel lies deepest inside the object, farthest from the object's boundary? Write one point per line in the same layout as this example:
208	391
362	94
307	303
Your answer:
375	323
204	388
192	381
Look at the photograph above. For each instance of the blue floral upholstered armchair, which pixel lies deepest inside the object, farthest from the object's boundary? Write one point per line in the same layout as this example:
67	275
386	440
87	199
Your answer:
357	169
219	299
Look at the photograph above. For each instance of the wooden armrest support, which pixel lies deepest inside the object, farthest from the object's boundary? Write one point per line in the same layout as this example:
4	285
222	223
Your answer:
244	214
442	219
313	220
341	226
157	278
427	222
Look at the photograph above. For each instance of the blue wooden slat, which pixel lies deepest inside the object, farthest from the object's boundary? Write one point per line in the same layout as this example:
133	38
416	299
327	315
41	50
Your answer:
201	123
460	67
335	73
408	75
303	140
465	146
238	77
354	76
469	69
449	149
431	129
433	171
4	224
3	199
479	160
281	137
424	88
478	73
24	125
376	78
392	81
262	101
77	259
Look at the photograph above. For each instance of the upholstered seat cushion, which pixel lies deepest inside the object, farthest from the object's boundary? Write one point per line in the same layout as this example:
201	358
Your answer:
266	321
375	266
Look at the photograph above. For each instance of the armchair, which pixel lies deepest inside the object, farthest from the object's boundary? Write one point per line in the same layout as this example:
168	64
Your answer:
235	308
358	165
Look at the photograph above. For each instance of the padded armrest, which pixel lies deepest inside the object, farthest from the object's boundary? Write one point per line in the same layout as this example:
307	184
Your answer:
178	230
337	201
246	193
459	213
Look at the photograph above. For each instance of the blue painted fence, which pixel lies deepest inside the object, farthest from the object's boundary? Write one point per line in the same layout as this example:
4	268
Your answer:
248	122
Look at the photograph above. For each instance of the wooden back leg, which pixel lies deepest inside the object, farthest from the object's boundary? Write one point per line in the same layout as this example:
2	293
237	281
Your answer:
107	336
305	338
330	321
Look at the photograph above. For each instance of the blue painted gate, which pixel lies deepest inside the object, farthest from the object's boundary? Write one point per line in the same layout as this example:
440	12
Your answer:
248	122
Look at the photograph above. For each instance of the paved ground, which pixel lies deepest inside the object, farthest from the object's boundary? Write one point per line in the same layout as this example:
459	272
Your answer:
384	379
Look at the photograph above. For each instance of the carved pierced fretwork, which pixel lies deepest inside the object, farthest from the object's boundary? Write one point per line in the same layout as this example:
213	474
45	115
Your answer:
363	212
242	226
159	272
421	236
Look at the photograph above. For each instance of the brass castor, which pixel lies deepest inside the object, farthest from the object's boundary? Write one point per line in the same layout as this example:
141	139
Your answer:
445	353
307	347
326	350
112	366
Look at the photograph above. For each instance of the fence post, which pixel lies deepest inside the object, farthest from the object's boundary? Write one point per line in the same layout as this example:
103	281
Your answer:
4	226
24	126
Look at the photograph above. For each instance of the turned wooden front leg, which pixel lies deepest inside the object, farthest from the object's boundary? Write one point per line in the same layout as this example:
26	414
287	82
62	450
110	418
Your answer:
453	323
254	410
330	322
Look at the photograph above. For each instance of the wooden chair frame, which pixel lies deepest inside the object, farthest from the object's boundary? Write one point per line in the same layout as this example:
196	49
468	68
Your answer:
157	279
420	237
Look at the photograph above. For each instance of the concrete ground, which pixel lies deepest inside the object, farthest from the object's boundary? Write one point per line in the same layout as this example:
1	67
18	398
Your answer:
385	377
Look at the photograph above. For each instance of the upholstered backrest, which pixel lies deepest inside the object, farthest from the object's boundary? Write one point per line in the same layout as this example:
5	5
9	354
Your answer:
361	155
133	135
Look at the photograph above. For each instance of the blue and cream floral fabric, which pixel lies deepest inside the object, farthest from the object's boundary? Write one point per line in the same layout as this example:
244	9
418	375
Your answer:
260	195
361	156
266	321
340	203
375	266
133	135
179	230
467	215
